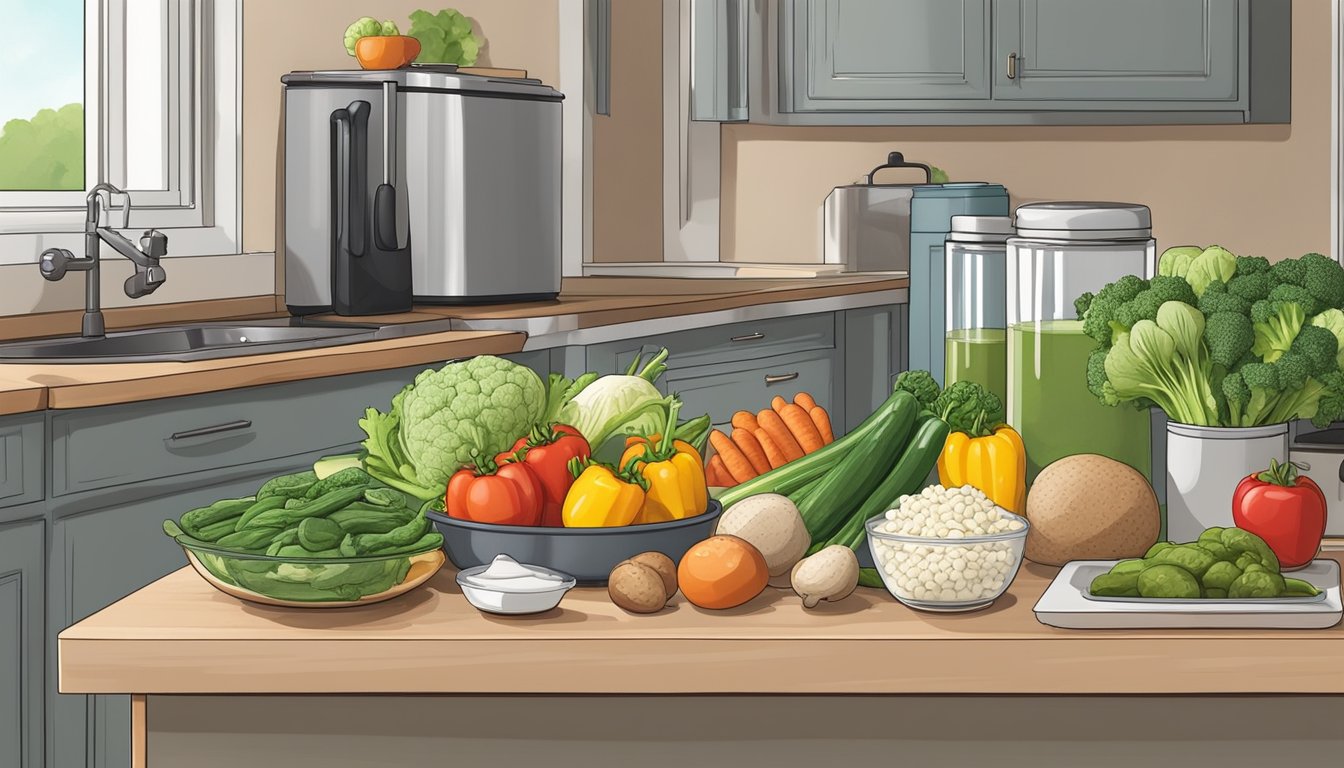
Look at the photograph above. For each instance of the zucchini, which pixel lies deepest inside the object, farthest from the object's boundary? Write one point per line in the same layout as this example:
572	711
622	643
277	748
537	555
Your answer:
791	477
919	458
845	487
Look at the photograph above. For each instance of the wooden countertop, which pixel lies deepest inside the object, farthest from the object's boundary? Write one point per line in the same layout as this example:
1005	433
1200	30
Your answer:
81	385
595	301
180	635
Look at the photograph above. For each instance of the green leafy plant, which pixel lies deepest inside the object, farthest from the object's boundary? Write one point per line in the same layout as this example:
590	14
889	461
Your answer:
45	152
367	26
445	37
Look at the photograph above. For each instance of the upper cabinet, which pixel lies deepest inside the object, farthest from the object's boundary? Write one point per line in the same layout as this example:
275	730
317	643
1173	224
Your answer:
988	62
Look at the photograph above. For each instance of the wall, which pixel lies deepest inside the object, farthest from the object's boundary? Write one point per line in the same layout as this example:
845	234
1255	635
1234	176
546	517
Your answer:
1256	189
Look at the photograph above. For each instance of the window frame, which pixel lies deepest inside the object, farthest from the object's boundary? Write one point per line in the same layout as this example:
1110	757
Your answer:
201	210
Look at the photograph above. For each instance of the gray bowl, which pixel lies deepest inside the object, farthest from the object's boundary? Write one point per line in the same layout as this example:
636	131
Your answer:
587	554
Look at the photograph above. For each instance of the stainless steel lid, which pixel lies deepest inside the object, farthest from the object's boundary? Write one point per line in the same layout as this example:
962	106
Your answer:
437	77
1084	221
981	229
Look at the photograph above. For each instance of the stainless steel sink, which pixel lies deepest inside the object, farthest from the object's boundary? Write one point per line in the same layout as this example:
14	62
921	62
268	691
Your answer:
203	341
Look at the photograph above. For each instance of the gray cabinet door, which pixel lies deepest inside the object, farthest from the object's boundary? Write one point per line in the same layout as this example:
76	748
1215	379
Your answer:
1103	50
874	348
882	54
21	647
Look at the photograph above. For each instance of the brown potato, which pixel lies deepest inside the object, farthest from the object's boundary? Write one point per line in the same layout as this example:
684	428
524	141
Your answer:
664	567
1090	507
636	588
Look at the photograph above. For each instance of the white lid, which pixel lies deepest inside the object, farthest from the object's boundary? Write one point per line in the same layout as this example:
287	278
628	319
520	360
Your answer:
981	229
1084	221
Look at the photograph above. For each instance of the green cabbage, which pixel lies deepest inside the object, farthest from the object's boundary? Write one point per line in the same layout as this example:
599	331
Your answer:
367	26
619	405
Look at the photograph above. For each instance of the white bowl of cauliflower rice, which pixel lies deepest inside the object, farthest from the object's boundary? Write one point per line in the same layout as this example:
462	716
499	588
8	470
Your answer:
947	549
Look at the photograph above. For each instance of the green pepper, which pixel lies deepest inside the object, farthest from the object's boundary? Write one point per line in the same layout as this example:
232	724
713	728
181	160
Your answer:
1299	588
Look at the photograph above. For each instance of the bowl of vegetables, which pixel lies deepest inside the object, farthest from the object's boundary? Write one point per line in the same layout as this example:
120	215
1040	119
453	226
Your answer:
947	549
339	541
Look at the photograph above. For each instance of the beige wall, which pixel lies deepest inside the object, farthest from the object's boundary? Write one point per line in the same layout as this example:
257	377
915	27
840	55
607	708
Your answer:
1256	189
628	144
279	37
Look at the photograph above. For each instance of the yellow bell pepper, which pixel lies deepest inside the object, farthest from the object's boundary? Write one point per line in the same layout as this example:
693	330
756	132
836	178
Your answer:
602	497
996	464
675	474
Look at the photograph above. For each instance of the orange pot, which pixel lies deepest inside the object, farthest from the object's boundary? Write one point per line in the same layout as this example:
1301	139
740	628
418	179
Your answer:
386	51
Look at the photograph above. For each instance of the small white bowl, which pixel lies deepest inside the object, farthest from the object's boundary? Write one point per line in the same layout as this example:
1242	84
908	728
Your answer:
500	598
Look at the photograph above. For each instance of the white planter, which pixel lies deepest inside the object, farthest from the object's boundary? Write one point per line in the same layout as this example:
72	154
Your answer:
1204	465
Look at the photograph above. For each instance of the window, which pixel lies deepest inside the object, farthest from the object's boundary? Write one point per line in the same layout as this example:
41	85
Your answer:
142	94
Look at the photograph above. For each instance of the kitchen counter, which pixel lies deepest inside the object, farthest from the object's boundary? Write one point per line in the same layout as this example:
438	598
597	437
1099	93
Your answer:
432	641
618	306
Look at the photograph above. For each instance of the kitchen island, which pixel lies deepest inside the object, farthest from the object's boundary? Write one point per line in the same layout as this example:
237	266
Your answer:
427	677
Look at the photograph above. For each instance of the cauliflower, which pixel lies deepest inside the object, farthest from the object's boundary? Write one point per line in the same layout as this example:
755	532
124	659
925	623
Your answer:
367	26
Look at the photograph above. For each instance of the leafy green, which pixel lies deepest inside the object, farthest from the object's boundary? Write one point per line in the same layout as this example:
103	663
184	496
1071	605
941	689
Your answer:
445	37
1198	266
619	405
968	407
367	26
1165	362
45	152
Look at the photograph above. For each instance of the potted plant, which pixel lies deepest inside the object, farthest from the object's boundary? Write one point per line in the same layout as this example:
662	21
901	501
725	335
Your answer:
1231	349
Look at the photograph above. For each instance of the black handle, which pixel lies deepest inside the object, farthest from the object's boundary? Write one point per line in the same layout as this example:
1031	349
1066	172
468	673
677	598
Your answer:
385	217
349	177
212	430
897	160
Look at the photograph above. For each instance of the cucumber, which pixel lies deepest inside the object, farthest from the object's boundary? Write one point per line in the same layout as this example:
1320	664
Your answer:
918	459
858	474
259	506
799	472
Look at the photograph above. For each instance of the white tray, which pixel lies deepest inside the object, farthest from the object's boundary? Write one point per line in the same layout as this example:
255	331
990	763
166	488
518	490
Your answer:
1066	604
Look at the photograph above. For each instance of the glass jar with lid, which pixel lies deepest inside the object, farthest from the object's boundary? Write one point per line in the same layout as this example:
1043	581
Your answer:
1060	251
975	348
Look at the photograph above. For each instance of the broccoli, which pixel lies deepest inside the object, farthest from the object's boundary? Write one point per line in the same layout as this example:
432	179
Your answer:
1333	321
921	384
1099	320
1252	265
1217	299
1318	347
1106	316
1276	324
1296	293
1251	287
1289	271
1229	336
1197	266
1081	304
1166	362
968	407
1323	278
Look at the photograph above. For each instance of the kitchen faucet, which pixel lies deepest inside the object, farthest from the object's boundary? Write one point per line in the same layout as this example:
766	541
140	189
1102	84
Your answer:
148	274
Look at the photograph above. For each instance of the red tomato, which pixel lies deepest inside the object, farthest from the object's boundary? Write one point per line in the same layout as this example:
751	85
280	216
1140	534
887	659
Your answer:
1286	510
508	495
547	453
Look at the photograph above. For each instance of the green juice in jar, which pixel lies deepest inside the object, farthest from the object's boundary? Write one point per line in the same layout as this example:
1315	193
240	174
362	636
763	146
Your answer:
979	355
1050	405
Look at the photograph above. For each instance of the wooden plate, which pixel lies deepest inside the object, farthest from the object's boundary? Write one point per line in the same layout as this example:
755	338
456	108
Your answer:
422	567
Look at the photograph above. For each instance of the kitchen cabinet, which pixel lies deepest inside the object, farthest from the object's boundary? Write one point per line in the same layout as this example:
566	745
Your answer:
876	352
877	55
22	651
1005	62
21	449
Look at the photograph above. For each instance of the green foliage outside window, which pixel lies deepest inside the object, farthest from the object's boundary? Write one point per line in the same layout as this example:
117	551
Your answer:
45	152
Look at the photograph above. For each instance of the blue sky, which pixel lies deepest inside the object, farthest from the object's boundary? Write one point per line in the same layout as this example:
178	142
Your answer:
43	56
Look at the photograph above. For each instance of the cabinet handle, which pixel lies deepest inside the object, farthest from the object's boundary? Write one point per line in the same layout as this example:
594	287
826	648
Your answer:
748	337
1012	65
775	378
212	430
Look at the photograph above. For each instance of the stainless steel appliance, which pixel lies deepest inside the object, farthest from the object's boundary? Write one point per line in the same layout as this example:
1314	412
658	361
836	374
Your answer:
866	226
457	175
1321	451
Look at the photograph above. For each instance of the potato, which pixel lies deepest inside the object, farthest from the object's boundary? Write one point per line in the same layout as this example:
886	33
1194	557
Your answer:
636	587
663	565
1090	507
770	523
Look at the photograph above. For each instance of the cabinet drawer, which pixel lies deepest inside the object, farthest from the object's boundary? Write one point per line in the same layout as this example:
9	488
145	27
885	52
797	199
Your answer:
721	393
752	340
117	445
20	459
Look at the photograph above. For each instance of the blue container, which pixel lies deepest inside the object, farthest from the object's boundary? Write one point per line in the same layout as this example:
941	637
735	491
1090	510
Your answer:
931	210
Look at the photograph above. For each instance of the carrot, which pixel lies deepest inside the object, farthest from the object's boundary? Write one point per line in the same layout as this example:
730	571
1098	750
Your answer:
722	477
745	420
746	442
736	463
772	452
777	402
773	424
804	401
800	425
822	420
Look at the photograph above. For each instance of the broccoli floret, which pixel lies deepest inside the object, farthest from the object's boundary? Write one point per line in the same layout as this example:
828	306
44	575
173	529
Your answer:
968	407
1292	369
1252	287
1276	324
1097	383
1099	321
921	384
1081	304
1216	299
1252	265
1318	347
1289	271
1310	304
1229	336
1323	279
1333	320
1145	304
